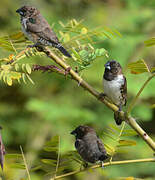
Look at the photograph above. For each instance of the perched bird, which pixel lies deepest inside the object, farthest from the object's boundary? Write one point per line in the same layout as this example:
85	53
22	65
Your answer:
88	145
2	151
37	29
115	86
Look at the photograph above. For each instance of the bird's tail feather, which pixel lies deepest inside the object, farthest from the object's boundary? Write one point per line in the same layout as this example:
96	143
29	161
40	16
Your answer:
62	49
117	118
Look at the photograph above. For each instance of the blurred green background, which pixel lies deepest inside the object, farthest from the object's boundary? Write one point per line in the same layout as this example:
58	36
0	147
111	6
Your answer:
55	105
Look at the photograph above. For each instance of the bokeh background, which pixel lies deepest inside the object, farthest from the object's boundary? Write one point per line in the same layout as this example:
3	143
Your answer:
55	105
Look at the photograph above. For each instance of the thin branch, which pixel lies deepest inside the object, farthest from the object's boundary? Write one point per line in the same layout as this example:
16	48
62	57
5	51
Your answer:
130	120
26	167
105	164
58	159
138	94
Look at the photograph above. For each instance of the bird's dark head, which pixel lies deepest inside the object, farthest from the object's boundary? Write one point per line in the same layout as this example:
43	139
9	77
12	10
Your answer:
27	11
113	67
81	131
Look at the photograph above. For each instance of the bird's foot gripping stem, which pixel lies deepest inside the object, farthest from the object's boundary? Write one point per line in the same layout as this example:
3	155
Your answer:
101	96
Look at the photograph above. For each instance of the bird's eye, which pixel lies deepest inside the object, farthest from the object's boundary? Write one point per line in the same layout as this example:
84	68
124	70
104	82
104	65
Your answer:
33	21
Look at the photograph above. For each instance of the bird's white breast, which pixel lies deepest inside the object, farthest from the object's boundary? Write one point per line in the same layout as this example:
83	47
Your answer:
24	29
112	89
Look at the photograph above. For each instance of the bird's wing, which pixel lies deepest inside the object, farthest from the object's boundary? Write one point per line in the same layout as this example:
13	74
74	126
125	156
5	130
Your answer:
124	89
40	26
79	144
101	146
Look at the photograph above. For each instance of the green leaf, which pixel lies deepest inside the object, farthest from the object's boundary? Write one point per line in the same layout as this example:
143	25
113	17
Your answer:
15	75
153	106
29	79
152	69
84	30
24	78
114	127
66	37
17	35
126	143
9	80
49	161
13	156
23	67
18	166
1	74
6	67
51	149
129	132
52	145
28	68
16	67
138	67
150	42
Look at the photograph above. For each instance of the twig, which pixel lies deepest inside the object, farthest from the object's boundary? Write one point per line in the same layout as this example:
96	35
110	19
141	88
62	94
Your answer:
26	167
58	159
138	94
106	164
130	120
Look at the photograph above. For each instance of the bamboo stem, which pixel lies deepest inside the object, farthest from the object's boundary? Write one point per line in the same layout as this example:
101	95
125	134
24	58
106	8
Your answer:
105	164
130	120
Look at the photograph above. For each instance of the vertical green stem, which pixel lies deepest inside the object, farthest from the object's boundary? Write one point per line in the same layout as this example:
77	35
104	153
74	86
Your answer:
138	94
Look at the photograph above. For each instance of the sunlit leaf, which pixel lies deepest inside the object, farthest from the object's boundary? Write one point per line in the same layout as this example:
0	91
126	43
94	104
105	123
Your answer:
138	67
29	79
49	161
129	132
129	178
110	149
6	67
23	67
17	35
13	156
127	143
28	68
1	74
15	75
152	69
150	42
9	80
50	149
24	78
52	145
18	166
153	106
84	30
114	127
108	135
16	67
66	37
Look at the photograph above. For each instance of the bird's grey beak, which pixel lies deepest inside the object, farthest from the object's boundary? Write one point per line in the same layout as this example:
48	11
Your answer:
73	133
20	12
107	65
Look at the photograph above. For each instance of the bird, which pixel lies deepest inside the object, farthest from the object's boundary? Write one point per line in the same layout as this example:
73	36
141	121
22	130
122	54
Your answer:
36	29
2	150
115	86
88	145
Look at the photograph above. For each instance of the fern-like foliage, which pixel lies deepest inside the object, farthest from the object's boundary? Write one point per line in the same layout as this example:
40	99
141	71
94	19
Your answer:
75	36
